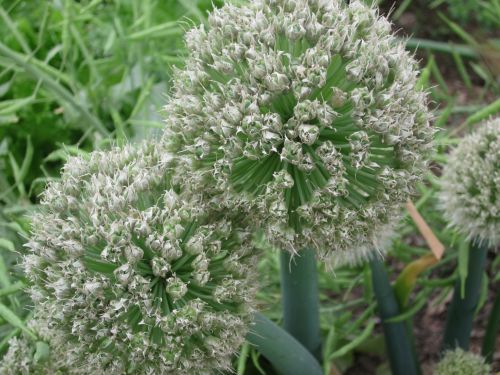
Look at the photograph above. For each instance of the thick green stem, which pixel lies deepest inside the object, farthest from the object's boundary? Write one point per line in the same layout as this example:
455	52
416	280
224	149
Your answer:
300	299
286	354
398	342
491	331
461	311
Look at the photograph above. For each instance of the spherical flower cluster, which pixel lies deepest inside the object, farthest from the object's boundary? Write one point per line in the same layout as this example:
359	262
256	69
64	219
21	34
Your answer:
21	359
132	275
470	184
460	362
309	111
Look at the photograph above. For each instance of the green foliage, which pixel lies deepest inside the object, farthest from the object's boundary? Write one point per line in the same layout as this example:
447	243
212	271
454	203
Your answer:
74	77
485	13
71	73
114	58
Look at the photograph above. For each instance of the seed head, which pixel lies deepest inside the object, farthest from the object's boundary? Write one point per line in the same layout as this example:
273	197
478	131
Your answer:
470	183
24	357
137	275
315	93
460	362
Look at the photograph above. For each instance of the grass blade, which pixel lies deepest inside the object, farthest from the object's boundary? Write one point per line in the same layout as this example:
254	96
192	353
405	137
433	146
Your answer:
15	321
443	47
20	39
64	94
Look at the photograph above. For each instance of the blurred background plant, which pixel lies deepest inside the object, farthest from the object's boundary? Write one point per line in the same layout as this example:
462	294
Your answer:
80	75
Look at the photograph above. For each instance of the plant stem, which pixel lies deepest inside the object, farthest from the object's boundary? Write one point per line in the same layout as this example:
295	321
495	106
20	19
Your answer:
461	311
285	353
300	299
491	331
398	342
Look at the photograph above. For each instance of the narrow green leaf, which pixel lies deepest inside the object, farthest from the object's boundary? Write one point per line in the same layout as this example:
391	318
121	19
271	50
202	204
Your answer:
9	107
4	274
408	277
255	355
328	346
157	31
443	47
14	288
490	110
19	37
483	294
27	63
439	78
462	70
242	359
28	157
458	30
6	338
423	80
121	135
62	154
16	171
89	59
15	321
7	244
401	9
491	330
191	7
463	261
417	305
356	342
444	116
145	92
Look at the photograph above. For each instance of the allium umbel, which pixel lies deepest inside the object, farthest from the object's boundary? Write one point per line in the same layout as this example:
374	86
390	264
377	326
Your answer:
140	277
310	109
21	359
460	362
470	184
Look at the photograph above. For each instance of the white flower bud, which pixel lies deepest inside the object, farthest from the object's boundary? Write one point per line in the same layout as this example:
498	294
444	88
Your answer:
308	133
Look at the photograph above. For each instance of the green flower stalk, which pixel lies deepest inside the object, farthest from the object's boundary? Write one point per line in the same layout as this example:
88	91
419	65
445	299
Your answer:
469	199
398	339
460	362
308	114
131	275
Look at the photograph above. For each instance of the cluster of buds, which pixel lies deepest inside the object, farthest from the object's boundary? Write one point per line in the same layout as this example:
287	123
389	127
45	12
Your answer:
308	111
22	359
470	183
300	117
132	274
460	362
30	354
